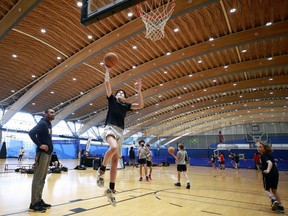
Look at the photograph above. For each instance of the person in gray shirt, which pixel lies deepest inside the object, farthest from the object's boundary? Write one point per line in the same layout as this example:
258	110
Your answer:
181	165
142	153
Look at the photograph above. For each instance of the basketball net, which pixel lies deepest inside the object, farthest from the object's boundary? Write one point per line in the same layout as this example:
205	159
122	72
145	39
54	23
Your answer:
155	15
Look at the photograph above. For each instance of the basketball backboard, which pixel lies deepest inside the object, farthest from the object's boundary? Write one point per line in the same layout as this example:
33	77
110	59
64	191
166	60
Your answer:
95	10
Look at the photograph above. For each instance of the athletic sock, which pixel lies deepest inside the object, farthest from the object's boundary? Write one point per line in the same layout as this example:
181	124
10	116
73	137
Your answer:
112	185
103	168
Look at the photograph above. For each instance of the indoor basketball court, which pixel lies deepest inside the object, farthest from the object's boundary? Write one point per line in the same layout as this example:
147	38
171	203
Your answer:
205	65
237	192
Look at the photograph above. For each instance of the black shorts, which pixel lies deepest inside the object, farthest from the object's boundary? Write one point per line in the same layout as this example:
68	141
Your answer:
270	181
149	163
142	161
181	168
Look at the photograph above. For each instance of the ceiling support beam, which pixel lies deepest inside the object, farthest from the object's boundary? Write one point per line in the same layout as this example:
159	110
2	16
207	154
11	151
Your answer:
15	15
68	65
263	33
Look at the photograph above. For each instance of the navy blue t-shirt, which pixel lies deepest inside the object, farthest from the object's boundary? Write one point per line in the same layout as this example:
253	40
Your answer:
116	112
42	134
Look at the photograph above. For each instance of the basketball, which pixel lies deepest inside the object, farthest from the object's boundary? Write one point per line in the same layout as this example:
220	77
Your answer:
171	150
111	60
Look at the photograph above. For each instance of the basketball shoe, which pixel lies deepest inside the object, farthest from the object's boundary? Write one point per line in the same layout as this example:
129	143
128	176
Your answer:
110	196
100	179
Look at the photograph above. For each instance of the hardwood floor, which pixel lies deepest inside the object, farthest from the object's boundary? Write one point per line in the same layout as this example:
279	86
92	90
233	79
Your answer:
229	192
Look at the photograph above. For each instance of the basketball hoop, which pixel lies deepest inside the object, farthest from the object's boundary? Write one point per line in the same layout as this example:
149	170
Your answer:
155	15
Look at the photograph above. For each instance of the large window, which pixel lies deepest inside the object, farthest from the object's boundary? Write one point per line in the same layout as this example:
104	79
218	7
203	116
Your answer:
20	121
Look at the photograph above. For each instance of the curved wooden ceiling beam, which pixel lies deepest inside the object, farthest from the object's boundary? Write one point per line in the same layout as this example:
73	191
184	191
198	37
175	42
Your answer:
242	85
109	40
197	107
129	29
15	15
250	66
82	56
180	55
235	68
206	114
222	121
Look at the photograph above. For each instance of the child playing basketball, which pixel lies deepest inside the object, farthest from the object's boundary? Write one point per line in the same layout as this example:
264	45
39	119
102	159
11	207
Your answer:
181	165
270	176
113	132
149	160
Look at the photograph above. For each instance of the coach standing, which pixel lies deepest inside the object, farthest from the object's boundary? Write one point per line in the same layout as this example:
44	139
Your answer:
41	135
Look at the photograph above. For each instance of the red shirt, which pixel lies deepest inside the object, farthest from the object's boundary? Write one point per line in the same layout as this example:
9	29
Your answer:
222	159
256	158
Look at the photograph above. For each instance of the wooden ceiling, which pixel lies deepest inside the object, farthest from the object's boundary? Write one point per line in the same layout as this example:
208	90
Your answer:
239	77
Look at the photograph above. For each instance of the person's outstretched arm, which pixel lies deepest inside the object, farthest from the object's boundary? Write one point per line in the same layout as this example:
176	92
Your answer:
140	103
107	82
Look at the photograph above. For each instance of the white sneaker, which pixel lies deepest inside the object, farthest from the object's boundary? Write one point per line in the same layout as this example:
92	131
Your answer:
100	179
110	195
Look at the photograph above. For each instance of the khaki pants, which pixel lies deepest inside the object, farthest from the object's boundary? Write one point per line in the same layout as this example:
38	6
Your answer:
42	161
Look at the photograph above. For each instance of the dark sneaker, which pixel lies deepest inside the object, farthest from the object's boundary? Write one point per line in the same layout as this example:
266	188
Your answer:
274	205
100	179
45	205
280	209
141	179
37	207
177	184
188	185
110	195
147	178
